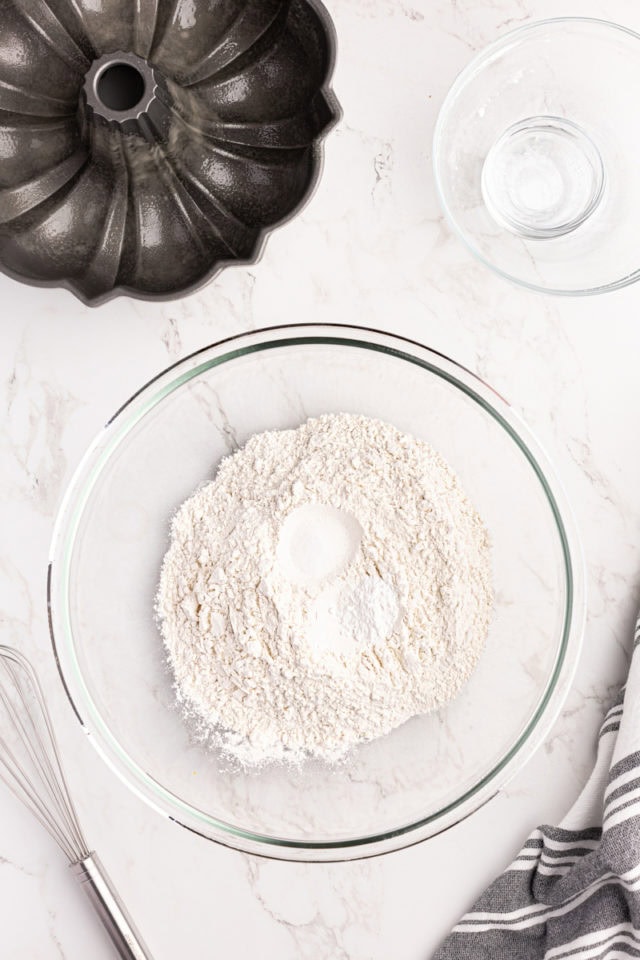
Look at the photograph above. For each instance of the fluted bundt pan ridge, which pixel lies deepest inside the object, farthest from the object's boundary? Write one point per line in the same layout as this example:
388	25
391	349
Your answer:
144	144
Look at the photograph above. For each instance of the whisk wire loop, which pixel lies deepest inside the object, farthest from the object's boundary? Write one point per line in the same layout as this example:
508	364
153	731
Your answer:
29	755
30	766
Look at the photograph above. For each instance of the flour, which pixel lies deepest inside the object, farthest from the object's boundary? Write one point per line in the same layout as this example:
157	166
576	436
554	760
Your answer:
330	583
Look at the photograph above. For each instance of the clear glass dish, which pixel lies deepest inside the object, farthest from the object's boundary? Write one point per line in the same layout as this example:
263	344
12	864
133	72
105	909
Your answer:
112	532
535	156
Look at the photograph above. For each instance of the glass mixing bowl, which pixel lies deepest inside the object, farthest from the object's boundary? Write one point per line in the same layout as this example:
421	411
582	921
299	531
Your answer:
535	156
112	532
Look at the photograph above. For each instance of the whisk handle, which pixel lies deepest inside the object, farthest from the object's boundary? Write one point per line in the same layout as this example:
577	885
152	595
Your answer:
96	884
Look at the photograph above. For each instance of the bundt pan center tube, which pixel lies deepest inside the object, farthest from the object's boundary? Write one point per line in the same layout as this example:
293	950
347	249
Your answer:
145	144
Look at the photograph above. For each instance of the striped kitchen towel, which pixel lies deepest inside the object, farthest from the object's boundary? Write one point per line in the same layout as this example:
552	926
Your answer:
573	892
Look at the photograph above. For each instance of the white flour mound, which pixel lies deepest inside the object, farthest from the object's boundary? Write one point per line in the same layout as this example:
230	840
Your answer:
330	583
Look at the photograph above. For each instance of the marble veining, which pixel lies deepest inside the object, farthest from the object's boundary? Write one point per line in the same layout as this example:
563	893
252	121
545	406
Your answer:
371	247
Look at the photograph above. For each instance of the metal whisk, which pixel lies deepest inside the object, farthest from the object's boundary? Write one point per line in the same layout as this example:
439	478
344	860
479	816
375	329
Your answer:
30	766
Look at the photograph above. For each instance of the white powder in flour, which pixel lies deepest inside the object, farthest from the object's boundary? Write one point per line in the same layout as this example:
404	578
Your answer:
330	583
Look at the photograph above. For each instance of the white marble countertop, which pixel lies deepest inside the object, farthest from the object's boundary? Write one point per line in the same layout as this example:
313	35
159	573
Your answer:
370	248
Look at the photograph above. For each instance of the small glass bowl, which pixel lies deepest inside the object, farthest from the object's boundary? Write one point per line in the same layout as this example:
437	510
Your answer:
112	532
535	156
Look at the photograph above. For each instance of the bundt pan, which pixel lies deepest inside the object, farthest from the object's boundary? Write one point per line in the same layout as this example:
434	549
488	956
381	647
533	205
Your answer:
144	144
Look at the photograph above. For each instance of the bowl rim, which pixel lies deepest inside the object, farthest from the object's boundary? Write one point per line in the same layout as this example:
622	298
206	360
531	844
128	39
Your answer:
78	494
462	78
